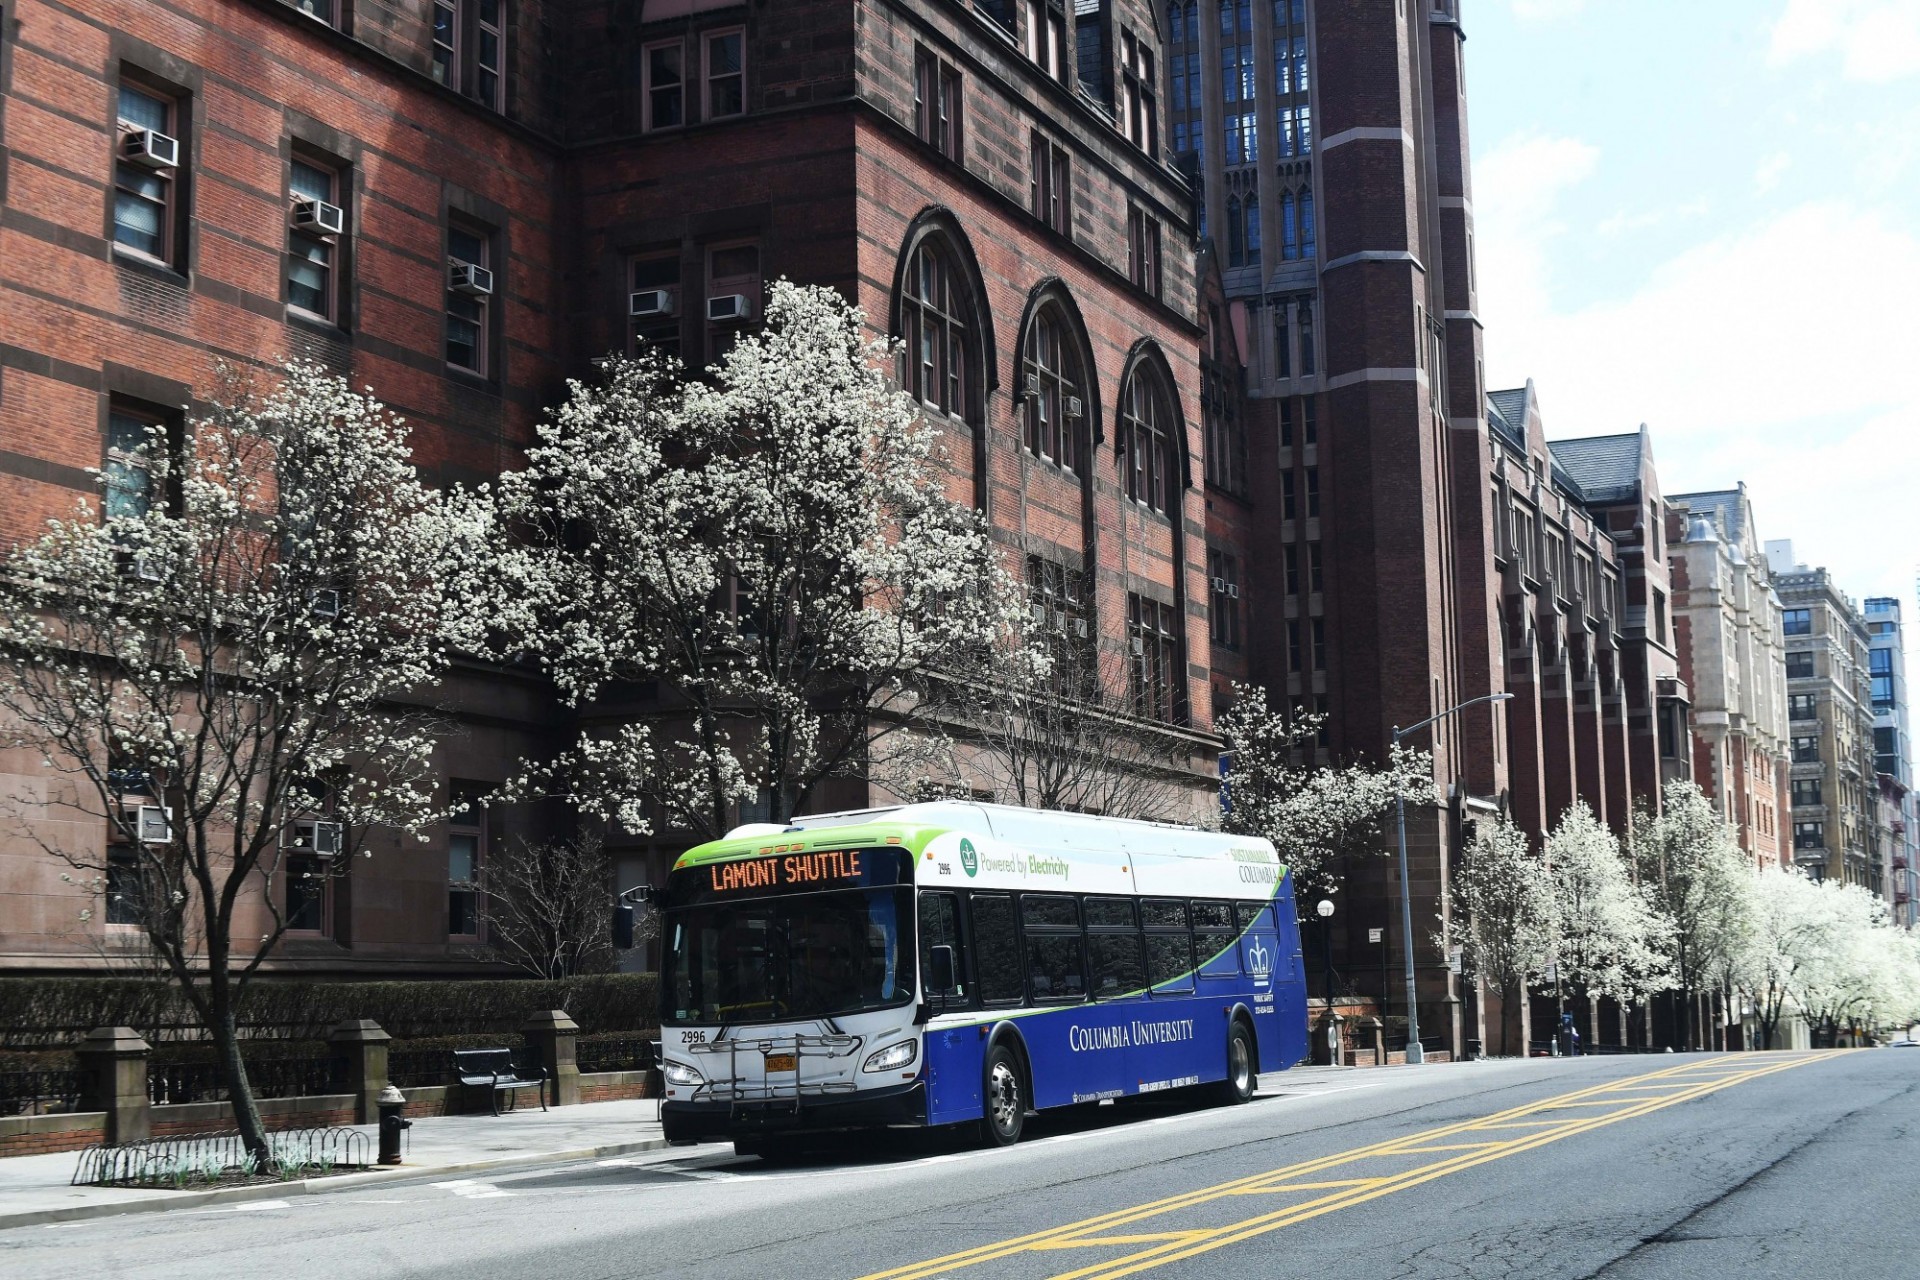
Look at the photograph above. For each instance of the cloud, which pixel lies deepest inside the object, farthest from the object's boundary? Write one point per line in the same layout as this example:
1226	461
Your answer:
1877	40
1798	382
1771	170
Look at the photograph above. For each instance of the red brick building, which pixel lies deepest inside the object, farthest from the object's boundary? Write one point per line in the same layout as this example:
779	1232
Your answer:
462	202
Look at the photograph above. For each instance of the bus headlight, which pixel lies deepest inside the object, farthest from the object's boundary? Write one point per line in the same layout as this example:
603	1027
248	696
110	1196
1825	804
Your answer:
893	1057
679	1073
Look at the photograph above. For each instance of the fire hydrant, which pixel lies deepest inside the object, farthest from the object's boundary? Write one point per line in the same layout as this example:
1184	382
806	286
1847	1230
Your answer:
391	1103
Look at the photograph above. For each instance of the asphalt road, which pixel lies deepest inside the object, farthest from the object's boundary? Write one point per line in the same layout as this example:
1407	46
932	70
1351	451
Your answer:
1759	1165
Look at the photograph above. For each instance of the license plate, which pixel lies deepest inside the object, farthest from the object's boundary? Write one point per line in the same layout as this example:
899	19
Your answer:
781	1062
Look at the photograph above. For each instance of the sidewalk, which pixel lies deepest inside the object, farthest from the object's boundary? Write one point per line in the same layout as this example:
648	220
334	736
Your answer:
33	1189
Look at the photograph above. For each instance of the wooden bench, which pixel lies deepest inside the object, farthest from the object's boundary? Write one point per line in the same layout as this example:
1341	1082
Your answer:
493	1070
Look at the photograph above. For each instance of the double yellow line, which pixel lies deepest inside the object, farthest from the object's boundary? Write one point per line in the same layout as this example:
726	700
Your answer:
1629	1099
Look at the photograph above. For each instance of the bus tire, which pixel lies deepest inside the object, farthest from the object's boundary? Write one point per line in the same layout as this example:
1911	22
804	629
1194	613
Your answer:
1003	1098
1238	1086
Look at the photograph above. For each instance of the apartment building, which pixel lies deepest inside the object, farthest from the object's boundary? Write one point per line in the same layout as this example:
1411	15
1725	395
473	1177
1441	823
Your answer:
1729	625
1833	790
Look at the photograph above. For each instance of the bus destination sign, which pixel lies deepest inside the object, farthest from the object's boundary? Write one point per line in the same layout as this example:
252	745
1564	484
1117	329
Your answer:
823	870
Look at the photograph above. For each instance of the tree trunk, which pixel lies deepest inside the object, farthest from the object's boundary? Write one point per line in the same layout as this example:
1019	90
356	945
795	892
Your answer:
246	1113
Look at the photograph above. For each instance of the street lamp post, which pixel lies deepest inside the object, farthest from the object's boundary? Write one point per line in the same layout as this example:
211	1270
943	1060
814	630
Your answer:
1415	1054
1324	909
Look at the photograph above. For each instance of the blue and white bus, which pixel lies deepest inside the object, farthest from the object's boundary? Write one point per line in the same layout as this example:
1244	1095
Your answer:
966	964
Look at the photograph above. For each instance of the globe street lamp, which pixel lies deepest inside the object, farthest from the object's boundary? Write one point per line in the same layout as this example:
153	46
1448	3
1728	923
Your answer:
1415	1054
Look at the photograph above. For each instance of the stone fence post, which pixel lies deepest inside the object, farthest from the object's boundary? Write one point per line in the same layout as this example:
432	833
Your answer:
363	1046
550	1035
115	1059
1377	1033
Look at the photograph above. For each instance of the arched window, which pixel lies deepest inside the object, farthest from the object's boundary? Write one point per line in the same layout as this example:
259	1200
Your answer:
1307	247
934	328
1052	385
1236	234
1253	231
1146	441
1289	228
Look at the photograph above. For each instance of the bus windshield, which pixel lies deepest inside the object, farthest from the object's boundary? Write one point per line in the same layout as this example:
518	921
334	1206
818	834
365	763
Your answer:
813	955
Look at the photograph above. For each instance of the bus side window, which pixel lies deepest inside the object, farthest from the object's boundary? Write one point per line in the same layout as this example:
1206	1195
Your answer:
1169	945
940	927
1214	937
1113	948
996	948
1055	970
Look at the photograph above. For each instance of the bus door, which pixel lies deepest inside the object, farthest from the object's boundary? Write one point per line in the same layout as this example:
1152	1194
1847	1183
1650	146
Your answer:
1267	967
953	1055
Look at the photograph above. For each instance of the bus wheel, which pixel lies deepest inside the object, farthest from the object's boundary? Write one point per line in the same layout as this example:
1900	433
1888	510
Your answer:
1006	1099
1238	1086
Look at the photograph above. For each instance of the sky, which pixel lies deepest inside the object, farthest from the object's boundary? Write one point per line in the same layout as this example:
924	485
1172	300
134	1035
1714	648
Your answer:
1704	216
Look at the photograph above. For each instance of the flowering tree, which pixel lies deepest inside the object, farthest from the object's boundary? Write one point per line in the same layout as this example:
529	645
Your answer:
1313	815
1841	960
1610	940
1698	880
228	669
1504	893
772	546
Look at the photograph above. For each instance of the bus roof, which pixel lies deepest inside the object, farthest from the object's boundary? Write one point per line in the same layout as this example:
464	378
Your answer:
914	826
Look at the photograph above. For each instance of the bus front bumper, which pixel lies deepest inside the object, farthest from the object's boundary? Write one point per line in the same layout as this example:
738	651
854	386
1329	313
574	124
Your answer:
868	1108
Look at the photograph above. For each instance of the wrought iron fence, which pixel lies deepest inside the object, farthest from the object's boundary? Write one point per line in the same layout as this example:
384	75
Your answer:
619	1053
419	1068
216	1157
41	1092
169	1083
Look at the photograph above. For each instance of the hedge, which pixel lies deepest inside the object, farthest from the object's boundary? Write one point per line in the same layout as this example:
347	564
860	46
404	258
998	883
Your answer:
51	1013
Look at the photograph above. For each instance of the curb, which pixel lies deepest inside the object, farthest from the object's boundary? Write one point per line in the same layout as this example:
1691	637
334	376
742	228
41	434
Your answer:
163	1201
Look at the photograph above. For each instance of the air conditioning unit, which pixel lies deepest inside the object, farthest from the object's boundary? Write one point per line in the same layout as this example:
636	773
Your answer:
317	217
1039	614
650	302
1080	628
1233	591
153	824
1074	408
151	149
325	602
144	565
319	836
468	278
1059	620
1220	586
1136	645
729	306
1033	386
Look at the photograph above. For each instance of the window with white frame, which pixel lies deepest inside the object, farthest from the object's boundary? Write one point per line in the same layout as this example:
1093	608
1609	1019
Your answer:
1146	442
663	84
1157	673
724	66
1055	412
934	310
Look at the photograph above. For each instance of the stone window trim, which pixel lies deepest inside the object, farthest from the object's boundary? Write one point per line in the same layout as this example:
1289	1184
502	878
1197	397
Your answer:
936	229
468	44
148	218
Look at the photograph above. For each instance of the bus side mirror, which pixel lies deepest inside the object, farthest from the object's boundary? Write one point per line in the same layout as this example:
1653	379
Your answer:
940	979
623	927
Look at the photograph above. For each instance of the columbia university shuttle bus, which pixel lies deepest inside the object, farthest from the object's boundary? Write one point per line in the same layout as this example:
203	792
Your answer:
965	964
